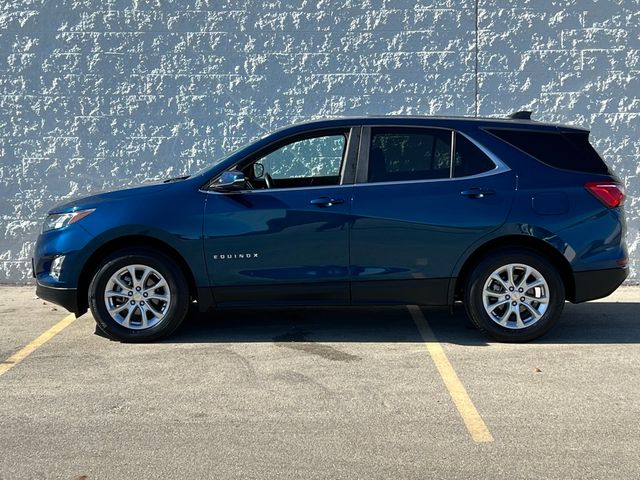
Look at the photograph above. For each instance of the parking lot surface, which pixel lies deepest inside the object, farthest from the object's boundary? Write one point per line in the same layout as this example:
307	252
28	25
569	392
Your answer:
320	393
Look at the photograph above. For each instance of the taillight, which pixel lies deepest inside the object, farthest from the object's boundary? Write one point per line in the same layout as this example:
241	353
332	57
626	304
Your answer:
609	193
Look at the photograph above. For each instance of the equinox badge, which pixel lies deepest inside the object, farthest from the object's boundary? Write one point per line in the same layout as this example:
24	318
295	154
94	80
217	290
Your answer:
232	256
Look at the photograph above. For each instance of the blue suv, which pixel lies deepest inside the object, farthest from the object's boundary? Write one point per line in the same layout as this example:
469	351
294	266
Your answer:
510	216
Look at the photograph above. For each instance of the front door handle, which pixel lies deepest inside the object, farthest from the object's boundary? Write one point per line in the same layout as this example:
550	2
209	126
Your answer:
477	192
326	201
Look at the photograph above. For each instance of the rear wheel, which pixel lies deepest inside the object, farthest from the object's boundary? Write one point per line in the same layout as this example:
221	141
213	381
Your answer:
138	295
514	295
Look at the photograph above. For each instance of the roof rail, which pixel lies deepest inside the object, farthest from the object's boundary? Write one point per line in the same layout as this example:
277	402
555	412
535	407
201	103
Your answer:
521	115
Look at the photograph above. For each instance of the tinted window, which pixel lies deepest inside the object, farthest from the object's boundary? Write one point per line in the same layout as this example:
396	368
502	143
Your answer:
569	151
470	160
398	154
311	157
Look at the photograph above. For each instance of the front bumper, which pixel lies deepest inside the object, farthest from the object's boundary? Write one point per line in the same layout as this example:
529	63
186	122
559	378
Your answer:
65	297
594	284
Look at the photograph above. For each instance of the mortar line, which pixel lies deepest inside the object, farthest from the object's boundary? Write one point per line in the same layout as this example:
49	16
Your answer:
477	106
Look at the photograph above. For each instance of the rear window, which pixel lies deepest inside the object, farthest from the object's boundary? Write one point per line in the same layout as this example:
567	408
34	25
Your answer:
568	151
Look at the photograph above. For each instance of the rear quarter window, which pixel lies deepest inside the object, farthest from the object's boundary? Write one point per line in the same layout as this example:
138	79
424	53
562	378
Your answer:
469	159
566	150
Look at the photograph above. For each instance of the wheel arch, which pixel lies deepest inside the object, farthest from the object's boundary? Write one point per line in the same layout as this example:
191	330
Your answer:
516	241
130	241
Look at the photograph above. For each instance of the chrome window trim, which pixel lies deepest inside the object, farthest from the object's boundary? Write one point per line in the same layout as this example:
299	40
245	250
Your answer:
267	190
500	166
488	173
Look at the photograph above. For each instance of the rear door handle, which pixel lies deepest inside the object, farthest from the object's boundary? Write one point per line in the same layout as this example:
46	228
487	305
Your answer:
326	201
477	192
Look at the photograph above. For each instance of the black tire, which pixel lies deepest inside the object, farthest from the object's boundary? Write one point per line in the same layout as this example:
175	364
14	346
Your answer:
474	303
163	264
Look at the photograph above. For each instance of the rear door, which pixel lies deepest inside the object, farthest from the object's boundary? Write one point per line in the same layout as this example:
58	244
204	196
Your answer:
415	212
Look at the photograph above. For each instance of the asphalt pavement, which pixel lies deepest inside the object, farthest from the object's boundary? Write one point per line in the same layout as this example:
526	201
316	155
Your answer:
322	393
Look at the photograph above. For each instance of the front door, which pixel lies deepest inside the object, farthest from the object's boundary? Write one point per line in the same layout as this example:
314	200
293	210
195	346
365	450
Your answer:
285	238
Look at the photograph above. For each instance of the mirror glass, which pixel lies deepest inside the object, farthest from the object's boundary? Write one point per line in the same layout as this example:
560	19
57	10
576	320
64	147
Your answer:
258	170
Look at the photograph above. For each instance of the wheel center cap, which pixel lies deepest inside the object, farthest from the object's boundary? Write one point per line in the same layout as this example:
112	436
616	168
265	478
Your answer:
137	296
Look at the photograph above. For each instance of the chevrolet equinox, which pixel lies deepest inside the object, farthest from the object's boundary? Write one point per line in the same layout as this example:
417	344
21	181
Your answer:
510	216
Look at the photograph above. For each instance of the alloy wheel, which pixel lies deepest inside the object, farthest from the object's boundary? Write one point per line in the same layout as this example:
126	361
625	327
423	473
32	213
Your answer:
515	296
137	297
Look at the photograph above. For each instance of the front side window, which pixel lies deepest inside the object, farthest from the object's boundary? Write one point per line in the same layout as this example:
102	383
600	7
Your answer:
400	154
306	162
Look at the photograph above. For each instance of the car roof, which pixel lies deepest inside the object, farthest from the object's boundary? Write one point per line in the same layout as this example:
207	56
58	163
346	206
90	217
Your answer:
448	121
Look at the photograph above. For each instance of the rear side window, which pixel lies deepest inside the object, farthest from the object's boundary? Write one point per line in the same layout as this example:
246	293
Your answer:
568	151
399	154
402	154
469	159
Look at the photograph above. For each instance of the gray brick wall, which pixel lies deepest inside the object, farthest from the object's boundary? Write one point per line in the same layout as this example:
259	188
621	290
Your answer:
103	94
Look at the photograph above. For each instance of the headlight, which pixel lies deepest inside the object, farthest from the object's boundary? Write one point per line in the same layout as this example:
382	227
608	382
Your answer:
59	220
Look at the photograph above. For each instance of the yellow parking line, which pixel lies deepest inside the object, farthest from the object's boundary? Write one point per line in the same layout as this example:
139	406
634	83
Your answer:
472	419
32	346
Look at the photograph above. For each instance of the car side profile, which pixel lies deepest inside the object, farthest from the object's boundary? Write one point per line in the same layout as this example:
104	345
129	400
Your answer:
510	216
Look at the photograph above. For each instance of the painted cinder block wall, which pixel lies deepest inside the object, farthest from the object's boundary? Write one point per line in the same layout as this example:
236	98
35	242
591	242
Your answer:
101	94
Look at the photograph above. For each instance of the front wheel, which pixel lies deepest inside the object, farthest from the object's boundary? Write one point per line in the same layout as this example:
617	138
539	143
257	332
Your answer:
514	295
138	295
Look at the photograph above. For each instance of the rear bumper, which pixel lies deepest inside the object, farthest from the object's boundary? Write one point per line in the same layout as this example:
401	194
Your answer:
65	297
597	283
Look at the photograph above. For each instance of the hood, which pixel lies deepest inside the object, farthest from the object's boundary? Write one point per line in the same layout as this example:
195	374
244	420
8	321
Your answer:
92	201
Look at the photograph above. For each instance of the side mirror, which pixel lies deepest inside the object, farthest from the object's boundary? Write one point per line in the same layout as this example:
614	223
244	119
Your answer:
231	180
258	170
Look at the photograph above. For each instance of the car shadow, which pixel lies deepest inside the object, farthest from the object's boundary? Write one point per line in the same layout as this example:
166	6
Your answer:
597	322
589	323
